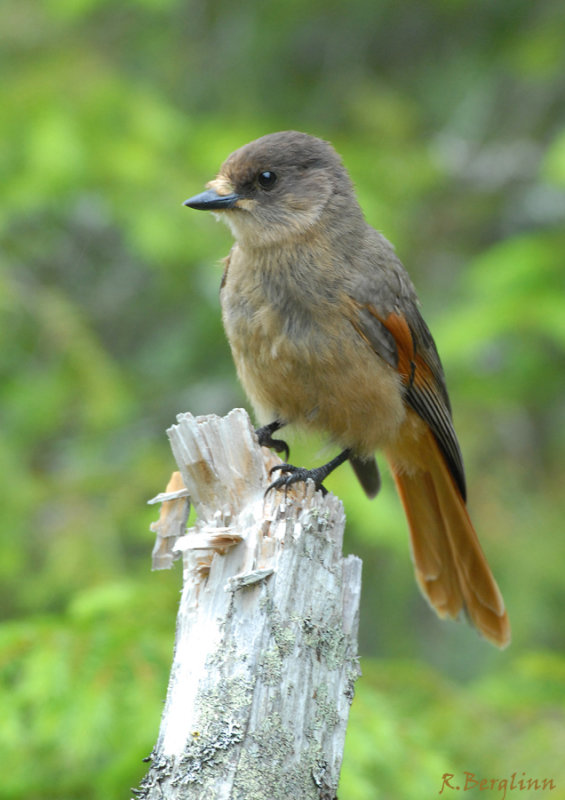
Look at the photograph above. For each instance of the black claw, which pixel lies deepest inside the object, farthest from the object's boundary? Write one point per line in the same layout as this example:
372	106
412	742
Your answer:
300	474
296	475
265	437
279	446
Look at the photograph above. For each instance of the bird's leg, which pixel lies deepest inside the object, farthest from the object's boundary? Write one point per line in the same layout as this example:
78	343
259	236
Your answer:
265	436
298	474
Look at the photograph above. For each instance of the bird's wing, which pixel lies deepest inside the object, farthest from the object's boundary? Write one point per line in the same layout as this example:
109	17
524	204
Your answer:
404	341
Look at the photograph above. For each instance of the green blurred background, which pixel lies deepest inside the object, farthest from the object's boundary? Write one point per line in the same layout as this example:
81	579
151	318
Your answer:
450	117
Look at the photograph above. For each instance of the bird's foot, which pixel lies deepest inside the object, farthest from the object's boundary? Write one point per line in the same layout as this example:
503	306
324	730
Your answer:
265	437
292	474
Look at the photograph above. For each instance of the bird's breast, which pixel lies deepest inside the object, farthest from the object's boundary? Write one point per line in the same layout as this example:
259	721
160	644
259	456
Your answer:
300	359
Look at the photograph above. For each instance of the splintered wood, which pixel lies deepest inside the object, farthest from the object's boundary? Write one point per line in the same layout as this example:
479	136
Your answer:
266	654
171	524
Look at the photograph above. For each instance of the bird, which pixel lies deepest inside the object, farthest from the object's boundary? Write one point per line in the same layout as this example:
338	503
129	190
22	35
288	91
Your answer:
326	333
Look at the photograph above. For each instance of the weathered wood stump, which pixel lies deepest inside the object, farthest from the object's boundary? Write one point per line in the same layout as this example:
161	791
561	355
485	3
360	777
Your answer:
266	654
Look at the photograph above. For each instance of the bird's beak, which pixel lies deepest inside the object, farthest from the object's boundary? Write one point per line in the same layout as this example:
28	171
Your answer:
210	200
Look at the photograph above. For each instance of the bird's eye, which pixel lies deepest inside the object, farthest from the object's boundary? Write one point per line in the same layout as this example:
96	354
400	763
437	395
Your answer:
267	179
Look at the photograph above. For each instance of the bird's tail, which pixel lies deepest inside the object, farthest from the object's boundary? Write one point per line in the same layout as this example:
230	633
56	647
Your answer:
451	568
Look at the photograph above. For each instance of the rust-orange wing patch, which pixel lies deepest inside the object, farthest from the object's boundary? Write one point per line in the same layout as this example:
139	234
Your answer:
400	330
418	363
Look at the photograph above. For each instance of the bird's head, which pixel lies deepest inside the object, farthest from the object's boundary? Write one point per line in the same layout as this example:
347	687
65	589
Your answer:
277	188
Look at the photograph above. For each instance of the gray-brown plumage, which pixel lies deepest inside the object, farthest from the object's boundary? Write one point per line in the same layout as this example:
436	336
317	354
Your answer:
326	333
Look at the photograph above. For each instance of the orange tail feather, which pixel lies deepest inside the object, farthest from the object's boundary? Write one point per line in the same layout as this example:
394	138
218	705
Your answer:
451	568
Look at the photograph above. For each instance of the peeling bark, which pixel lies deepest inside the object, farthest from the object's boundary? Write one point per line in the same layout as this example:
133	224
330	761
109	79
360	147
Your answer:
266	646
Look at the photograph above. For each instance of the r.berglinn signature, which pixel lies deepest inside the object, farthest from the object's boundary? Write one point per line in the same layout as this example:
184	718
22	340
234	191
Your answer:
469	781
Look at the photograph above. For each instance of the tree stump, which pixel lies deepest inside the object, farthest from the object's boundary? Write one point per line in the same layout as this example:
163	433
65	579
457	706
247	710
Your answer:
265	656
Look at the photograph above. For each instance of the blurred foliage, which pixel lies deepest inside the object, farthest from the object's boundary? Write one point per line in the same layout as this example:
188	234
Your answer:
449	115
